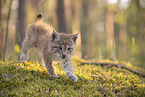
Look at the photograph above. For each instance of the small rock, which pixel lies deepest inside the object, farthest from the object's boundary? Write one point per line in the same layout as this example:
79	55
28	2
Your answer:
26	80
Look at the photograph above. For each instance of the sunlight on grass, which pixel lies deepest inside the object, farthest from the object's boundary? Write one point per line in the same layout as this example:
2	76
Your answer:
31	79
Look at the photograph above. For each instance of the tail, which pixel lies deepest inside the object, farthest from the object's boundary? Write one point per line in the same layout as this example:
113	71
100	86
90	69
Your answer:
39	17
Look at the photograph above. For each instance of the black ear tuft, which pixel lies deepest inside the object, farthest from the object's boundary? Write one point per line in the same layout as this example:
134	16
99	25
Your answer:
39	16
74	37
54	36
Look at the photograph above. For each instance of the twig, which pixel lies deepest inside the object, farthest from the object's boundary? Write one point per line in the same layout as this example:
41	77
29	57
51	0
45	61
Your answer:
116	65
134	71
130	60
2	94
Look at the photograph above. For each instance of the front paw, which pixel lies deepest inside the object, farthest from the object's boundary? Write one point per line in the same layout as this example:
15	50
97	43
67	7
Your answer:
23	57
54	76
72	77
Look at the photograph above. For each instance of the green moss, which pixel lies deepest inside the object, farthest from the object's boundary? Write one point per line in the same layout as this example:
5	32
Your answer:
31	79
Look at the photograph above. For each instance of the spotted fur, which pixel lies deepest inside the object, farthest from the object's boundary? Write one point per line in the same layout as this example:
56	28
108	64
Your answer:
54	46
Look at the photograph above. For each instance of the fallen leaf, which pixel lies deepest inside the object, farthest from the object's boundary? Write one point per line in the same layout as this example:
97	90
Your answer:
109	65
55	91
96	75
47	90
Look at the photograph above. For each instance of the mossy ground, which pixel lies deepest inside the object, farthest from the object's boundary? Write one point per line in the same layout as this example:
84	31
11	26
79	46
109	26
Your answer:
31	79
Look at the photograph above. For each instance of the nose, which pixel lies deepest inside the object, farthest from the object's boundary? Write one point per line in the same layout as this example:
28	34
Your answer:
63	56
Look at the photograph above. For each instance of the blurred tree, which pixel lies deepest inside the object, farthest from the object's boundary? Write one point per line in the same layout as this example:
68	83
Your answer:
1	38
68	13
7	27
21	23
39	6
122	43
84	28
120	34
35	4
61	18
110	31
96	35
136	29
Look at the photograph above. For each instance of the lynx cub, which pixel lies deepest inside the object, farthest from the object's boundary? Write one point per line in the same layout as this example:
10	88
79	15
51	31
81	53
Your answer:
58	46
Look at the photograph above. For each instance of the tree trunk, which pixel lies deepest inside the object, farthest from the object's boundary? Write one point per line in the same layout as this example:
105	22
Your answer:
1	44
7	27
20	34
84	28
110	32
62	27
122	42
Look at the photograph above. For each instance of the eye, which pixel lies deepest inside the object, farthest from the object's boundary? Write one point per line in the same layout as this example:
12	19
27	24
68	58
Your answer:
60	48
69	49
55	47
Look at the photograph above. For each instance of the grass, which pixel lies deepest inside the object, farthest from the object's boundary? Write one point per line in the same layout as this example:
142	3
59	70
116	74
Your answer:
31	79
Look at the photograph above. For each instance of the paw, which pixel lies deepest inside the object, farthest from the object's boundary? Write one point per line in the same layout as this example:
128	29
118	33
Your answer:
54	76
72	77
23	57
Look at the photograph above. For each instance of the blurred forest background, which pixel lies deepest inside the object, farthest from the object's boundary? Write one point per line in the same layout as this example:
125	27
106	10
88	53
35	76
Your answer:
109	29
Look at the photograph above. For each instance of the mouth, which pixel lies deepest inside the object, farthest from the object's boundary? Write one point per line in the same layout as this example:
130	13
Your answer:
63	57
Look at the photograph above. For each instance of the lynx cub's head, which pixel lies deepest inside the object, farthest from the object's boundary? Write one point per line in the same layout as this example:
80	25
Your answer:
63	45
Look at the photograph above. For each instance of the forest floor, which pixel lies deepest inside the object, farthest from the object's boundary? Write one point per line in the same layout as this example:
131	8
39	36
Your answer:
31	79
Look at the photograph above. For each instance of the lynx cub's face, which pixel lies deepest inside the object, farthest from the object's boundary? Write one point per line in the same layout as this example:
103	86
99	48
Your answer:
62	45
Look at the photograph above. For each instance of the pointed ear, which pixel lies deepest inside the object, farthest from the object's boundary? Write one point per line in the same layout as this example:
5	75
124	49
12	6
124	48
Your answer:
54	36
74	37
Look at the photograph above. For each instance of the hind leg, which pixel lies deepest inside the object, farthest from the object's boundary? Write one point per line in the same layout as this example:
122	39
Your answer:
40	59
27	44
